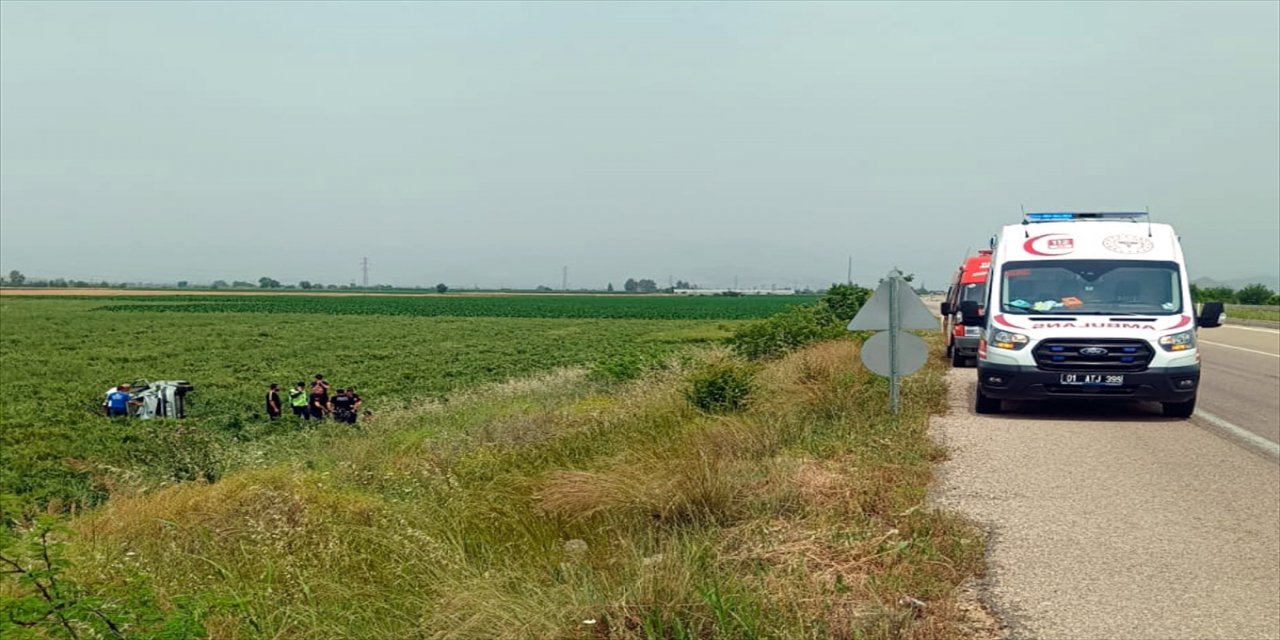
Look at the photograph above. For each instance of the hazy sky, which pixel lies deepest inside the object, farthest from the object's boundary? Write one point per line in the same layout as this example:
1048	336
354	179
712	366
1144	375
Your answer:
491	144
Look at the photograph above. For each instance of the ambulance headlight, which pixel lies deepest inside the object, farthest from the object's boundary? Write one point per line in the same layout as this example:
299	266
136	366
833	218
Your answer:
1179	341
1008	340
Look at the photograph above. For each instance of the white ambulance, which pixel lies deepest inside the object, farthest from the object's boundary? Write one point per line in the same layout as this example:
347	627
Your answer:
1089	306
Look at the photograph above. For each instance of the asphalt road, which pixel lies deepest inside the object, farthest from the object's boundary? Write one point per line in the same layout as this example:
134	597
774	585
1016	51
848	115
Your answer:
1110	521
1240	379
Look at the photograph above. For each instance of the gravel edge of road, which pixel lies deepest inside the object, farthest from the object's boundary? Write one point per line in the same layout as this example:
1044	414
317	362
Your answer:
984	619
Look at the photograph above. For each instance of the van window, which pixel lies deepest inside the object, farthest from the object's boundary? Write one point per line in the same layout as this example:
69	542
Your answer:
974	292
1103	287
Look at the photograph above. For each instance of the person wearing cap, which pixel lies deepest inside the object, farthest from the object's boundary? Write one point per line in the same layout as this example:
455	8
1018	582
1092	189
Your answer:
118	401
298	400
343	407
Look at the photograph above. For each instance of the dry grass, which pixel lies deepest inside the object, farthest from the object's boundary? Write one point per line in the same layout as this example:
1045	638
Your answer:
548	509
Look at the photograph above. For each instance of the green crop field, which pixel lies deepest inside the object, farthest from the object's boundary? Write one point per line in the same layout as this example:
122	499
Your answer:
521	306
58	356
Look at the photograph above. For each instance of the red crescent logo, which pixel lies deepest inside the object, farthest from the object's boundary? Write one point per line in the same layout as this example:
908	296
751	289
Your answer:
1186	320
1057	244
1000	320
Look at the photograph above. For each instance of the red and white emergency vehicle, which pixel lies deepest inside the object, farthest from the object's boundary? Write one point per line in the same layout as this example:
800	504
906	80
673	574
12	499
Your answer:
1089	306
968	285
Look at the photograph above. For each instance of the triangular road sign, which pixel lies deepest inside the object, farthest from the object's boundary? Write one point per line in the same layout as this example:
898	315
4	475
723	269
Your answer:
912	314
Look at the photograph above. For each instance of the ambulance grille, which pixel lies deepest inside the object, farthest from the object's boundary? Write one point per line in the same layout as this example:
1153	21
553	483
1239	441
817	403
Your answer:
1064	354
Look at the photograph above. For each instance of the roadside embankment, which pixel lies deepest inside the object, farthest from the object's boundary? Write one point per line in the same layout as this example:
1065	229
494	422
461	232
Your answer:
790	505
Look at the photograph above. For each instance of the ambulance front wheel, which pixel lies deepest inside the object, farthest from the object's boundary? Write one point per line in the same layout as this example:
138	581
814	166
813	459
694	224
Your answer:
984	404
1178	409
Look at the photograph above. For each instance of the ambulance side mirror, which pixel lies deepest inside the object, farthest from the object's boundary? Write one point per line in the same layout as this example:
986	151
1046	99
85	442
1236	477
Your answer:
969	314
1210	315
946	309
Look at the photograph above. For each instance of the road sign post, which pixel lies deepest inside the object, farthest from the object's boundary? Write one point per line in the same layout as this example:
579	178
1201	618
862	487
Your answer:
896	308
894	321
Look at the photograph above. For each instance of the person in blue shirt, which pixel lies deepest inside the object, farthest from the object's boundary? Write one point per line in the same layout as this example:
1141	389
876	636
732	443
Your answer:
118	401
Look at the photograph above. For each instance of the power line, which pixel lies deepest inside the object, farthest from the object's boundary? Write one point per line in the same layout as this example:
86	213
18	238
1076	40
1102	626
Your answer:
364	269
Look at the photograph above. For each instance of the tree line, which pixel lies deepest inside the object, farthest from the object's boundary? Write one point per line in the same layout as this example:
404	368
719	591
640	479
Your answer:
17	279
1256	294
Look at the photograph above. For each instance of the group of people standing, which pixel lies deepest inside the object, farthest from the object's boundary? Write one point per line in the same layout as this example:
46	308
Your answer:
316	403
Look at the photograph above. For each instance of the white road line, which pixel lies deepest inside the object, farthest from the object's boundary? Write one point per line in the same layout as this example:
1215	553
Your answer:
1244	328
1252	438
1219	344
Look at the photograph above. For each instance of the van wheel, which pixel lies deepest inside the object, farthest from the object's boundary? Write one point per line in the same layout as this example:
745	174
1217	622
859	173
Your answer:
1178	409
986	405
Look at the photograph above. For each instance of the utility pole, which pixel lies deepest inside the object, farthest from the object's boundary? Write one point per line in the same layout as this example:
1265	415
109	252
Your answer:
364	270
849	278
735	283
564	278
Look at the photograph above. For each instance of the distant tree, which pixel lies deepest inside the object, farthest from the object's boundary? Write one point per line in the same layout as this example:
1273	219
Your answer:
182	284
268	283
681	284
80	284
609	288
58	282
630	286
241	284
1254	294
304	285
543	287
16	278
441	288
1216	294
844	300
646	286
219	284
332	286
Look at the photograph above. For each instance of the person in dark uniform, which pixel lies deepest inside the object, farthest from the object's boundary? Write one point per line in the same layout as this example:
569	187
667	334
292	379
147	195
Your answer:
344	407
319	397
356	400
273	402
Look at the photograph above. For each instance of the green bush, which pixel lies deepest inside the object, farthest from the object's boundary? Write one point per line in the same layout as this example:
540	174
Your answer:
721	387
1254	294
785	331
844	300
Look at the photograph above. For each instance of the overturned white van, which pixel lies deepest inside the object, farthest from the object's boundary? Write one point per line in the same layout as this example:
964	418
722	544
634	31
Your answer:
156	399
1092	306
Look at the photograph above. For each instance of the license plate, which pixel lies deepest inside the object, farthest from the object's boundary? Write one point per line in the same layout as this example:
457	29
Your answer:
1103	379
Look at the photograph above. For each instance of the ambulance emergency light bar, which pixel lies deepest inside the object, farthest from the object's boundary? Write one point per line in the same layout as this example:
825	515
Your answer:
1060	216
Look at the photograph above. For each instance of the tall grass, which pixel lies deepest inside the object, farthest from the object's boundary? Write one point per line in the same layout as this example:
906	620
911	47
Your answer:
555	508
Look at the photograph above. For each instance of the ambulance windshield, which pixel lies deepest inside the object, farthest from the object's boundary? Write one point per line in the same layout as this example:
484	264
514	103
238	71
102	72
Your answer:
1091	287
